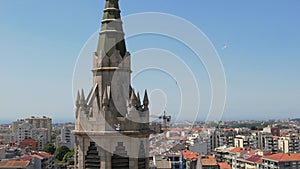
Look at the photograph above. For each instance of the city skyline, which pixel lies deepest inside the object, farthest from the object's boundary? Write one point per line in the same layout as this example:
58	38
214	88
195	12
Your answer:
258	50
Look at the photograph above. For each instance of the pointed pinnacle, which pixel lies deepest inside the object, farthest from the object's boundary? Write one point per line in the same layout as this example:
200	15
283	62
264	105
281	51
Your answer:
130	91
112	3
78	98
138	99
146	100
82	98
133	99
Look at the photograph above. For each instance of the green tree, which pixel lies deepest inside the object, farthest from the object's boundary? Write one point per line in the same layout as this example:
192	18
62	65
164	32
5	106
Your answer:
67	156
49	148
61	152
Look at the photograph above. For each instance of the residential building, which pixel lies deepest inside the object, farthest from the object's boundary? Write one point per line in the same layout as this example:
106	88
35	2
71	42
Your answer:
283	145
268	142
35	128
29	143
35	160
221	137
223	165
209	162
252	162
158	162
175	159
24	131
190	159
289	143
40	160
48	160
222	154
15	129
2	152
41	135
12	152
41	123
294	142
234	155
281	161
67	137
241	141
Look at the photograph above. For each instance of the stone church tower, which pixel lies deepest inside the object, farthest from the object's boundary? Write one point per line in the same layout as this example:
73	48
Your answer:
112	122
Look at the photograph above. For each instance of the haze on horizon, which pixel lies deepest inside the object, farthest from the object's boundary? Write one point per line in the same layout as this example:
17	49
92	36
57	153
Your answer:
258	43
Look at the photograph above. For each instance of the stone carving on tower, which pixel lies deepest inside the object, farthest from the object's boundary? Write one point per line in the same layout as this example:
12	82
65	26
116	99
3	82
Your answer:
112	123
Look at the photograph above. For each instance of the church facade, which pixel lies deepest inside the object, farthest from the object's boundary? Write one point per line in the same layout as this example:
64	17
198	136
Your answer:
112	121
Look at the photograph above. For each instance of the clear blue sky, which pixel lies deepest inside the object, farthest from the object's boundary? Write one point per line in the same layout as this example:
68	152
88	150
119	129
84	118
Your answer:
40	42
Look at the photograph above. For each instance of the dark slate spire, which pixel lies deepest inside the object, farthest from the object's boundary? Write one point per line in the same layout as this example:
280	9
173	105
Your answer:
111	33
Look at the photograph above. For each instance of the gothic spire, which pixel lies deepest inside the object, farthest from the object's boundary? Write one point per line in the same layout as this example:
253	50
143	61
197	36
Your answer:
111	34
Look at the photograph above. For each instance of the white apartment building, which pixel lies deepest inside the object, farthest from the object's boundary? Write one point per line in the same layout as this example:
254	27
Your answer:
41	123
67	138
24	131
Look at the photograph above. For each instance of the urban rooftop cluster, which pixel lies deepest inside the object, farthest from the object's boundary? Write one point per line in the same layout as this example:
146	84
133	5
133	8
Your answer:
25	143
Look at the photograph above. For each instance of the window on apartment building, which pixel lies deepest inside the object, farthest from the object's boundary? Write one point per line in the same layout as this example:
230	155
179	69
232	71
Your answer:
286	164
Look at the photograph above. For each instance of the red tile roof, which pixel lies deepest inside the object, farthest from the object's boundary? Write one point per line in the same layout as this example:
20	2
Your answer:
281	157
259	161
190	156
45	154
209	161
29	157
37	156
224	165
237	150
14	163
254	158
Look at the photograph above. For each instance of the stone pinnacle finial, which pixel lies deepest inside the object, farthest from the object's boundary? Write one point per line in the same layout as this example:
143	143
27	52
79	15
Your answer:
133	99
112	4
78	99
82	98
146	100
130	91
138	99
